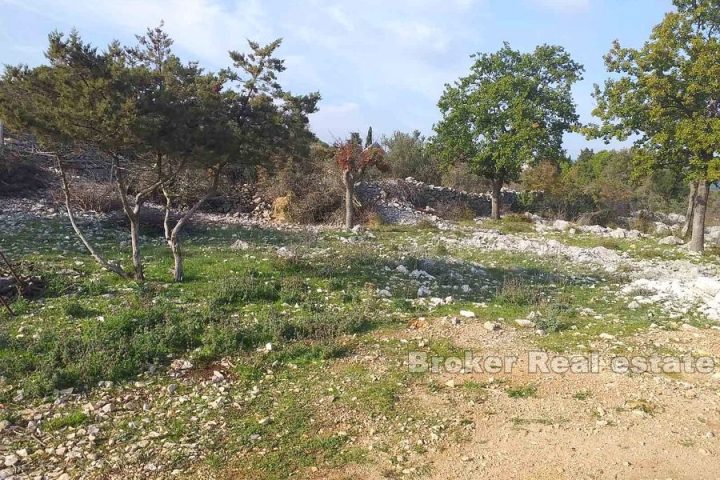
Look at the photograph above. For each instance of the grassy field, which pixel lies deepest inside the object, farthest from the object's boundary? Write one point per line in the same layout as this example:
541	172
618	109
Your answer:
297	360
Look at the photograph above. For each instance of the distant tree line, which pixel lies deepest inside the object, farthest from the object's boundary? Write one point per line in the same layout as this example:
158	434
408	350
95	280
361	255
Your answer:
162	125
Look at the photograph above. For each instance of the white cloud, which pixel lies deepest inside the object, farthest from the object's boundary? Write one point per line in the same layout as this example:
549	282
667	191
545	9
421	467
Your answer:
206	29
335	121
341	18
416	34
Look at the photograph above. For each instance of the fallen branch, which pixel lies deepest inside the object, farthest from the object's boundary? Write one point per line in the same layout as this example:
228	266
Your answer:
10	267
6	305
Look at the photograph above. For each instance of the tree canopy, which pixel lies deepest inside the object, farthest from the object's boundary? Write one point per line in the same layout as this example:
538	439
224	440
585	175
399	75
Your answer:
153	118
512	109
666	95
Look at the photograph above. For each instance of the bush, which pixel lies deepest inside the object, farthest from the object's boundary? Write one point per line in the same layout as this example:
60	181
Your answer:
91	196
601	181
550	322
314	187
604	218
516	218
20	175
409	155
643	222
319	326
456	210
373	219
461	178
514	291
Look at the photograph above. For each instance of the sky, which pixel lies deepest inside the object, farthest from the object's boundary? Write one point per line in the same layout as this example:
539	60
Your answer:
376	63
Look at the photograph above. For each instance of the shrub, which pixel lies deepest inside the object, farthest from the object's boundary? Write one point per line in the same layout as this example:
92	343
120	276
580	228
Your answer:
514	291
409	155
455	210
92	196
374	220
550	323
643	222
516	218
74	310
20	175
604	218
313	186
319	326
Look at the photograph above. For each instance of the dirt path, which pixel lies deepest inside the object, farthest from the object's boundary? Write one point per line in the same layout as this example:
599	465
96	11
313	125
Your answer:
576	426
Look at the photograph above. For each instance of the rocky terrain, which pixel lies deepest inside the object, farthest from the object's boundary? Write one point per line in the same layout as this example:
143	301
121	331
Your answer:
336	400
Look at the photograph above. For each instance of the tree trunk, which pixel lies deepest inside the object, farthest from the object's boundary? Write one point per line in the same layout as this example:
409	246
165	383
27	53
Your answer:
496	199
173	240
135	243
178	268
349	186
113	267
133	214
2	135
697	242
172	235
685	232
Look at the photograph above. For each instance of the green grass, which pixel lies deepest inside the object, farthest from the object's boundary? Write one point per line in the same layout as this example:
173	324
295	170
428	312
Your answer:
321	314
522	391
582	395
510	224
71	419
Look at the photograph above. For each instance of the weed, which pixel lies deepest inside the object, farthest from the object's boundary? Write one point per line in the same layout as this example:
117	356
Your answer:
71	419
522	391
518	421
642	405
516	291
246	289
73	309
582	395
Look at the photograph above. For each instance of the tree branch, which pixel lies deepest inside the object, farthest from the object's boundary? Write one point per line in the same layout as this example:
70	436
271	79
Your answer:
113	267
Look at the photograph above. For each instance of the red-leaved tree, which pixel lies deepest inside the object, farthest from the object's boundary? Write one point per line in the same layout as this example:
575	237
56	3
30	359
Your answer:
354	160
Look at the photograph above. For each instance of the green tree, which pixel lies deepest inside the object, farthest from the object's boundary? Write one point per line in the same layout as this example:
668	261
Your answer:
409	155
155	120
667	93
369	137
241	117
83	100
512	109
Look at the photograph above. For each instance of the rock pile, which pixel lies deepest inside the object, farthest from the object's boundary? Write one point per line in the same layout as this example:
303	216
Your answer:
677	286
409	201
